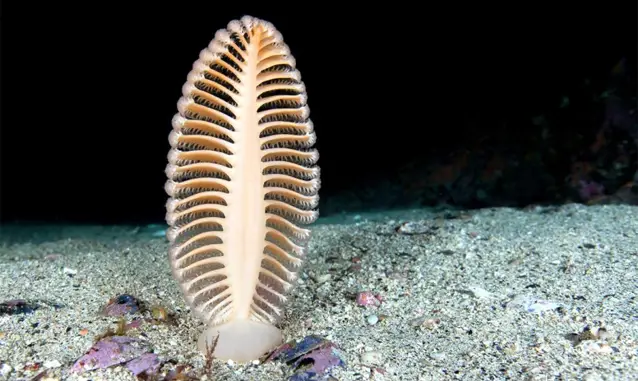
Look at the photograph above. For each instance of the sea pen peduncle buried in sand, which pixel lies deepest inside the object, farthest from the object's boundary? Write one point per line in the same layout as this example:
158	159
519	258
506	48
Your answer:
242	180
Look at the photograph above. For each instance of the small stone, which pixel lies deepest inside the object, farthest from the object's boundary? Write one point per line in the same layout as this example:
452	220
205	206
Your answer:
69	271
52	364
373	319
478	292
437	356
323	278
5	369
511	349
413	227
372	358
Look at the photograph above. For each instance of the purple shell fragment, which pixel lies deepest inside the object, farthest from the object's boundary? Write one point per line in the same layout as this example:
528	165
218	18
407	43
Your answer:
121	305
147	363
109	351
312	358
291	350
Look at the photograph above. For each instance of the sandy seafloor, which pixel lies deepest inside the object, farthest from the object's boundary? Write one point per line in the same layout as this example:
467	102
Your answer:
492	294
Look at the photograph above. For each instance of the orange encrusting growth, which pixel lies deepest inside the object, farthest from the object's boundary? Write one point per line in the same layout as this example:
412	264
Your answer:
242	179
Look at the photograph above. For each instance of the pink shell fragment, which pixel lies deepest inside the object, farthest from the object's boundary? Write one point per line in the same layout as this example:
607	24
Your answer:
109	351
367	298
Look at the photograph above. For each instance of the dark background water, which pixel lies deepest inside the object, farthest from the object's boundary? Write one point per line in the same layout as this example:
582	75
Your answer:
464	105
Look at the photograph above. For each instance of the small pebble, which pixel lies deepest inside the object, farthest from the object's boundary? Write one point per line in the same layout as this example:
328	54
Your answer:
5	369
478	292
52	364
372	358
437	356
413	227
373	319
323	278
511	349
